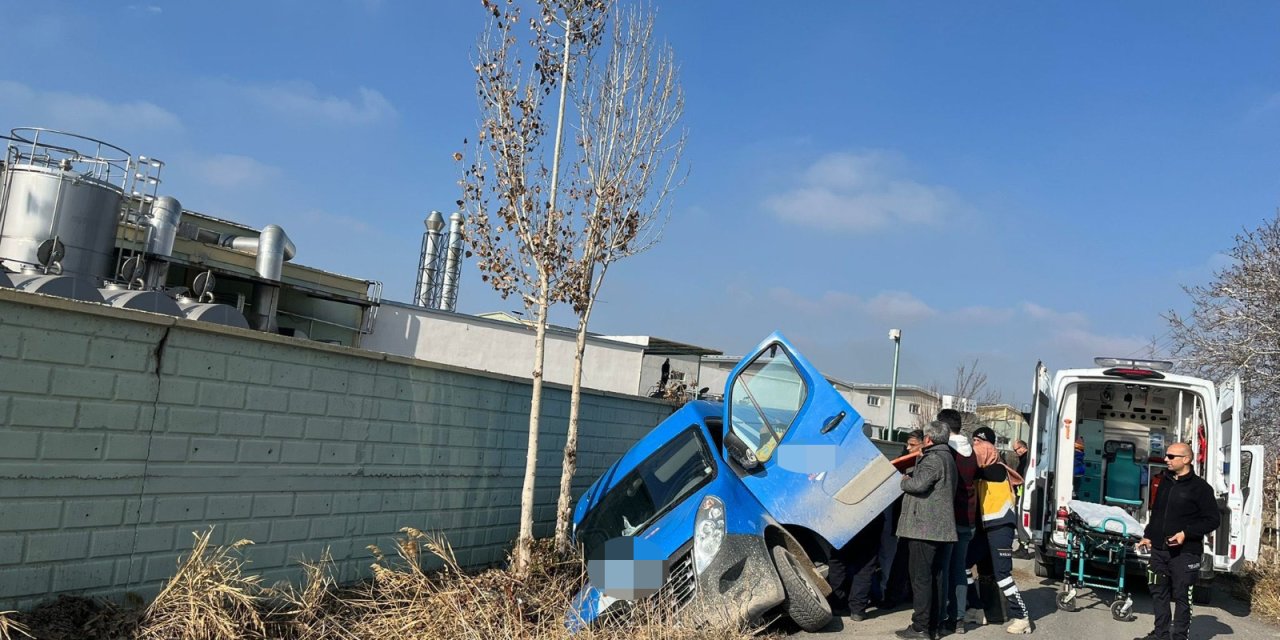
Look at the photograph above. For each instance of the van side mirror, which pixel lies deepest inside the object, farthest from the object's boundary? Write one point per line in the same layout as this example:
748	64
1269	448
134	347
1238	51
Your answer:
740	452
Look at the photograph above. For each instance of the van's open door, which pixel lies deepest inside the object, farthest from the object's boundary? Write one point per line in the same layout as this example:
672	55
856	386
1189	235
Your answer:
1041	446
1229	539
816	468
1253	481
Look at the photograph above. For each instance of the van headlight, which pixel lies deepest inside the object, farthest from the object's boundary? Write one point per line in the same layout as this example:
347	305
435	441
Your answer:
708	532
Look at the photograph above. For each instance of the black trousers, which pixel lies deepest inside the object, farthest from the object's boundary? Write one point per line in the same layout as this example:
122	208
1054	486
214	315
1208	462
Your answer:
854	567
992	551
928	583
1172	578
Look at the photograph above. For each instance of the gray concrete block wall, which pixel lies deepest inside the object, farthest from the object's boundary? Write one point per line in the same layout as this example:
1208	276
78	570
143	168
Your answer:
122	433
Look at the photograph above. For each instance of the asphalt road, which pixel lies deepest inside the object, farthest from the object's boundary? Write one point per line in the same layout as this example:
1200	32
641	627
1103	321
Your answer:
1225	617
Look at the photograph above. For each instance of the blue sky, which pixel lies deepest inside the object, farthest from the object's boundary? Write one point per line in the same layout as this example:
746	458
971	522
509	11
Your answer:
1003	181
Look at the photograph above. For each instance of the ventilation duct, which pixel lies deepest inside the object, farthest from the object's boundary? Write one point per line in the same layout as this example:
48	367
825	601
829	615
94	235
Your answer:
162	228
272	247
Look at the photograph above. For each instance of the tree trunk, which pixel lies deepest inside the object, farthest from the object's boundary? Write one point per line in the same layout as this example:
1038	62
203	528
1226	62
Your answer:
524	540
569	467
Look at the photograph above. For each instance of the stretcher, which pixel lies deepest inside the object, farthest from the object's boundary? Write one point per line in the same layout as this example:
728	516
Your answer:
1099	537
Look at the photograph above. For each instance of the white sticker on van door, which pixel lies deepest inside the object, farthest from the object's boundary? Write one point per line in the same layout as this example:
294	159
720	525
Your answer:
807	458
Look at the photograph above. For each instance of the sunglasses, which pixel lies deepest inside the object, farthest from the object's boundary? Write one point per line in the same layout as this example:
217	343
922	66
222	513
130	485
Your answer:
1171	456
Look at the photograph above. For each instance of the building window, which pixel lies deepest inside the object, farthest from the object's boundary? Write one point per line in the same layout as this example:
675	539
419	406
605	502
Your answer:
914	408
873	401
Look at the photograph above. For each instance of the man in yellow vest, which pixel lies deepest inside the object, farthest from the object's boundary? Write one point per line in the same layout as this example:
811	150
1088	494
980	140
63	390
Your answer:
992	548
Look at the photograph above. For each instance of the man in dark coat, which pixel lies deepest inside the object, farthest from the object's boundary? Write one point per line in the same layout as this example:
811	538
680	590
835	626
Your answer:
928	523
1185	510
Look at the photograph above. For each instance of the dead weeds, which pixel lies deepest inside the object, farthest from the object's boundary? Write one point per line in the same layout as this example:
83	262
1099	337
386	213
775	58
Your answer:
417	592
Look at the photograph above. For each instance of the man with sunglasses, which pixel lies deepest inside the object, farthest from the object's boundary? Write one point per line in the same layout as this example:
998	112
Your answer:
1184	511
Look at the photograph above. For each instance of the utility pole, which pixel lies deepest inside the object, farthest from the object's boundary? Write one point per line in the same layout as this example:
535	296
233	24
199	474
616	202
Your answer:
896	336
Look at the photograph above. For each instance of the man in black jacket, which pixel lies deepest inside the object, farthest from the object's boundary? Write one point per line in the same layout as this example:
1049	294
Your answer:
1185	510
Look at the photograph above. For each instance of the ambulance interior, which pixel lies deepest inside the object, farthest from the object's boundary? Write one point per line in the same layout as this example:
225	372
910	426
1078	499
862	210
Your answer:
1123	429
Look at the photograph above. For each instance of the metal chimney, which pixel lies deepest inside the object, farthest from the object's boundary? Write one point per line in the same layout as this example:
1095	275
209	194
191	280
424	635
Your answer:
452	264
427	293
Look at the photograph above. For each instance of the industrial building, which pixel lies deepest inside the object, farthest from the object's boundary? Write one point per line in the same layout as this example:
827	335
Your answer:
84	219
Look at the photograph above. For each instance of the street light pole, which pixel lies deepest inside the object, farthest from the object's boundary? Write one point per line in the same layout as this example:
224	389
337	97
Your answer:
896	336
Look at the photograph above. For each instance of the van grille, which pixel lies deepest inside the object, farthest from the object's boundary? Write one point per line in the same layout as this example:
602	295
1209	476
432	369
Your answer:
682	583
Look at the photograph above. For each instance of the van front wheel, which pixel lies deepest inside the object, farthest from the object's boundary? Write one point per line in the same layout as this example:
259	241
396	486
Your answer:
804	603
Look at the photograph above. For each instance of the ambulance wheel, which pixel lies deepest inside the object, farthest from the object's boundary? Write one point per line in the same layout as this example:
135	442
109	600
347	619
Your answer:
805	603
1122	610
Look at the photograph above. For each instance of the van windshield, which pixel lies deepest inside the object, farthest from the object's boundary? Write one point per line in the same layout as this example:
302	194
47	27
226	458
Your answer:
676	470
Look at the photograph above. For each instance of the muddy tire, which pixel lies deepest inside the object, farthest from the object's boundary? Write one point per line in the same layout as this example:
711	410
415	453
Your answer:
804	602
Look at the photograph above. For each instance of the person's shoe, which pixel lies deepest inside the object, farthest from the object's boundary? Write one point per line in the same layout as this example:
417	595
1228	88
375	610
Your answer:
960	628
911	633
976	616
857	616
1020	626
1151	636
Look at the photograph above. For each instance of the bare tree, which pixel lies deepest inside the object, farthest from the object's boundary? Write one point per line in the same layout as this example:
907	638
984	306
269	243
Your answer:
630	148
1234	326
518	233
971	384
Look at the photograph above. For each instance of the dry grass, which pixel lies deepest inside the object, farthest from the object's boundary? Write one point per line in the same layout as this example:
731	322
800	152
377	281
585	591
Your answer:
10	628
211	597
1265	593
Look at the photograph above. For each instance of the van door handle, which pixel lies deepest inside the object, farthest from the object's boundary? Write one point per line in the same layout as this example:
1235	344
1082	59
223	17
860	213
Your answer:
833	422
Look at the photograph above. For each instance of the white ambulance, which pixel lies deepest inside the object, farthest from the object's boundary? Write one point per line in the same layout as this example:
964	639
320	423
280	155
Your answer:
1099	435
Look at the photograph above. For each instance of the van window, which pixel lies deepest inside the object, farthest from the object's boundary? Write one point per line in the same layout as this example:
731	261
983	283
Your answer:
663	480
765	399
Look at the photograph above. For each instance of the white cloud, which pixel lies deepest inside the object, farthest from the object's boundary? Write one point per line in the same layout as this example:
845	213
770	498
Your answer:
1038	312
235	172
82	112
148	8
303	100
887	305
1090	344
862	191
980	314
1269	105
898	305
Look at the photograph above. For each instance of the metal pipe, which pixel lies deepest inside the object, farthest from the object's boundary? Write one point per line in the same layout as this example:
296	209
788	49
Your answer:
162	228
896	336
166	211
452	264
272	248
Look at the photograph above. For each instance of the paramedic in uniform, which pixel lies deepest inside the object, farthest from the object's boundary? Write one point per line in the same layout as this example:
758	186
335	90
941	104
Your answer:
992	548
1184	510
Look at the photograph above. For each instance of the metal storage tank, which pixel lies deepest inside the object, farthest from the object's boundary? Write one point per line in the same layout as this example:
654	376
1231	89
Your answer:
152	301
213	313
73	287
65	185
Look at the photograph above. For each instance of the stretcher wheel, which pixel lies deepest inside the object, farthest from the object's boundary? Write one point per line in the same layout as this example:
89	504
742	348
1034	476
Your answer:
1067	600
1122	610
